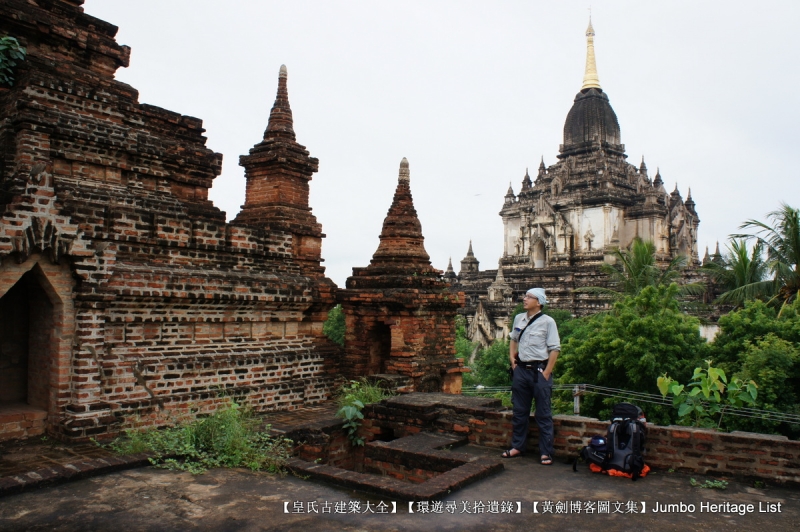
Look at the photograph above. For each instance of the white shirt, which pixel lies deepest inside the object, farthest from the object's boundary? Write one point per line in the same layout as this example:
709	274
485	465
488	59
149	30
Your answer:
539	339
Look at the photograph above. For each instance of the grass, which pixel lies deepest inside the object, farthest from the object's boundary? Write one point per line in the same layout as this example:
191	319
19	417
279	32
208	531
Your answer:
363	391
230	437
710	484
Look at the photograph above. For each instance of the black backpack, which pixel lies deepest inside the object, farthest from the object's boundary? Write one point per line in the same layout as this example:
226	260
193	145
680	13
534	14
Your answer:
623	448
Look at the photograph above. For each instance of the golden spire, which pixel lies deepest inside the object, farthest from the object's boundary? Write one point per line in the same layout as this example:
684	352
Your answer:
590	78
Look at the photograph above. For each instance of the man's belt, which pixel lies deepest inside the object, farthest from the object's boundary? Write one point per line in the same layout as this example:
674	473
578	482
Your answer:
533	364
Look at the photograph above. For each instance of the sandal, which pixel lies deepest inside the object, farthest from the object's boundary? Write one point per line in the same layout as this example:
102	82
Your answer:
546	460
507	454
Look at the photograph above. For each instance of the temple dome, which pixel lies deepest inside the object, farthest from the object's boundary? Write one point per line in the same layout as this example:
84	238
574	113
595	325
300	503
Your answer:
590	121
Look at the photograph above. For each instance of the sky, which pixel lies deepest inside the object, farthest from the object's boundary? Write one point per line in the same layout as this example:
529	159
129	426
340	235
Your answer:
473	93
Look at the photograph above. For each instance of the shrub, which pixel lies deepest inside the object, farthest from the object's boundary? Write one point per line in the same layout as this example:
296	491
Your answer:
629	347
230	437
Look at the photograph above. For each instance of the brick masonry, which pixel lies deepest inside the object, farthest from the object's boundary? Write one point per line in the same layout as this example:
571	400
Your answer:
143	304
399	311
687	449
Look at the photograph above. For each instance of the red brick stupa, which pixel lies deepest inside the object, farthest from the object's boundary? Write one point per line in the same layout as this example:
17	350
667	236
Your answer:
399	310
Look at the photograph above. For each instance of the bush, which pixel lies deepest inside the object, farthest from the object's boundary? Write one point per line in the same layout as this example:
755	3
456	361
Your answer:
760	343
629	347
352	397
230	437
750	325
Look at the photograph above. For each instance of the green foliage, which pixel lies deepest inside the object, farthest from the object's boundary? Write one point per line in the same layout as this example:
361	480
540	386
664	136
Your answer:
230	437
702	403
334	326
352	397
630	346
739	274
750	325
636	268
492	364
782	242
775	364
11	52
710	484
464	348
760	343
505	398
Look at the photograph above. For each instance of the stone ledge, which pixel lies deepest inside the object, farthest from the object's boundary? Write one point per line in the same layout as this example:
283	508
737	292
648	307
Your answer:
47	476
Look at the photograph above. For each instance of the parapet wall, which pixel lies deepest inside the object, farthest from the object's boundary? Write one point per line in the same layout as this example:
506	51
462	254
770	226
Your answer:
686	449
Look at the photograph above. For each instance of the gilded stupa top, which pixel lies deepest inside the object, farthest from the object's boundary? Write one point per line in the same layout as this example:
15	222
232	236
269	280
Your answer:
590	77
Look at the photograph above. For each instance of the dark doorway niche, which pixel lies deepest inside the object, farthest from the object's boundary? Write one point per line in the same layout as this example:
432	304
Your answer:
380	345
26	334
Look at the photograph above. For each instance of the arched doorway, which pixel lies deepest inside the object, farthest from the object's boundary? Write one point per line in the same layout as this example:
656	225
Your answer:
26	325
539	254
35	343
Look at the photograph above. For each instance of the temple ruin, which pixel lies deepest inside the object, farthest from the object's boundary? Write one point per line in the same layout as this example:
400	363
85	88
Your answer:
126	299
140	298
399	311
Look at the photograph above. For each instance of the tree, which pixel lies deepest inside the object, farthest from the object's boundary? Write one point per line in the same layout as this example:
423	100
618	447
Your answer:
464	348
492	365
782	241
629	347
636	268
757	342
774	364
740	275
334	327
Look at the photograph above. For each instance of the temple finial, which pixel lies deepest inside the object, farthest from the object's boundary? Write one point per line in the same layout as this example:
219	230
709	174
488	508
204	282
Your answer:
590	78
405	174
280	118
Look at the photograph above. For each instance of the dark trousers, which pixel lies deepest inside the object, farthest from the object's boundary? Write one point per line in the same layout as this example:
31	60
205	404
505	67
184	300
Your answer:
529	385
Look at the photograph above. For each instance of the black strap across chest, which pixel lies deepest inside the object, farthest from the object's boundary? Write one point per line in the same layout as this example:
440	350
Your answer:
528	325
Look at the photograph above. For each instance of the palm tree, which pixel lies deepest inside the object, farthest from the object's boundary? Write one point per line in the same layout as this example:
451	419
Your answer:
636	268
782	241
741	275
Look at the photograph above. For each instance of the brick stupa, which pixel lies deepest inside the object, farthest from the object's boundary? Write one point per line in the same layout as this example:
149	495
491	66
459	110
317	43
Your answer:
399	310
126	300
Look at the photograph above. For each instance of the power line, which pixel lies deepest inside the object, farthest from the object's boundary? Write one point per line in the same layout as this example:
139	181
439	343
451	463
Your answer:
585	389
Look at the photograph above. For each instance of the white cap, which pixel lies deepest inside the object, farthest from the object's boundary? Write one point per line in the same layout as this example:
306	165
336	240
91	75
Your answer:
538	293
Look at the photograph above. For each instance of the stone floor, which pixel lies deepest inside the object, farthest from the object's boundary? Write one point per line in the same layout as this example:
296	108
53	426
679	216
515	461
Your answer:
113	493
39	461
146	499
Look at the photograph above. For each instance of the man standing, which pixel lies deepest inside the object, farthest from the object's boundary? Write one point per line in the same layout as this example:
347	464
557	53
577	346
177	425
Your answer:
535	346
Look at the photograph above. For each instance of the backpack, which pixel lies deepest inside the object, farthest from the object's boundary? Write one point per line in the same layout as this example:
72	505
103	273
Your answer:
621	451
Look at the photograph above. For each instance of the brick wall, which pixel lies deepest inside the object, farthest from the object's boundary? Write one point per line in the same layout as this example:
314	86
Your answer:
687	449
159	308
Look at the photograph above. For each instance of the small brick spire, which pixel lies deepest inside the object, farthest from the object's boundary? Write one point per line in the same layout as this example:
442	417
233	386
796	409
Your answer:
401	238
280	118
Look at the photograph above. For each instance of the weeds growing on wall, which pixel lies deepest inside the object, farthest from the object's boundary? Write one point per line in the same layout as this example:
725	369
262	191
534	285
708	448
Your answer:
352	397
11	53
230	437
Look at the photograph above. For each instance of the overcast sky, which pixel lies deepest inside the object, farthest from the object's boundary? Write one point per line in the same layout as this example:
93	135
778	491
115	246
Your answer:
472	93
